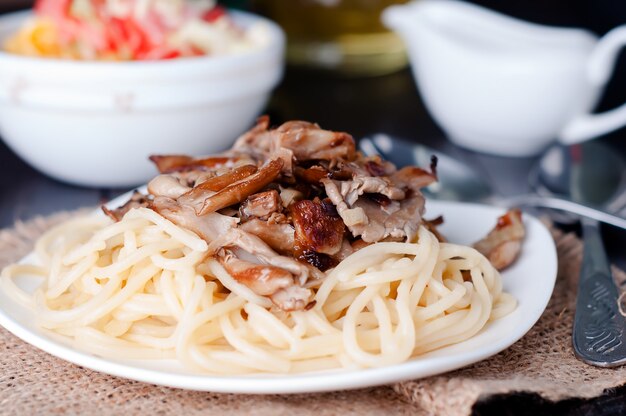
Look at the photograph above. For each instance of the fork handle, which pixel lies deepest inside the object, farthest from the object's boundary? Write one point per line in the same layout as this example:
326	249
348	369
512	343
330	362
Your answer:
561	204
598	336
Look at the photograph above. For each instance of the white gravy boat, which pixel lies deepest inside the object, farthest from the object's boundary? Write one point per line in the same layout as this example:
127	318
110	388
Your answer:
505	86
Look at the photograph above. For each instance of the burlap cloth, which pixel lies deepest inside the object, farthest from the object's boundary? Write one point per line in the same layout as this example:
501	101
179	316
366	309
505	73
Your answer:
33	382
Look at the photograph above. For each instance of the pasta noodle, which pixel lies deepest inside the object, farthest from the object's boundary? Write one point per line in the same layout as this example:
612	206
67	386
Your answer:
145	288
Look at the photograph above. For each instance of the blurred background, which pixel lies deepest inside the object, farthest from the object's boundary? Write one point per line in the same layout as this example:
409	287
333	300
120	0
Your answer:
340	54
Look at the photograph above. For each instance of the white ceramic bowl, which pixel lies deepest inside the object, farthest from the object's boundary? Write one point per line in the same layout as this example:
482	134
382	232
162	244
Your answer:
96	123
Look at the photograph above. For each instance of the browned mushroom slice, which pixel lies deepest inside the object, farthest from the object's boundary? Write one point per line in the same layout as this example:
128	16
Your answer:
176	163
414	178
204	190
319	232
277	236
169	163
260	205
265	280
245	244
432	225
305	141
376	166
262	279
238	191
503	244
137	200
293	298
208	227
217	183
167	185
309	142
318	227
312	175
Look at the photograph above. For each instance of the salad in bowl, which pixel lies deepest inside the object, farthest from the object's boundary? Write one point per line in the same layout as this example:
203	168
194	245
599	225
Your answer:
90	88
123	30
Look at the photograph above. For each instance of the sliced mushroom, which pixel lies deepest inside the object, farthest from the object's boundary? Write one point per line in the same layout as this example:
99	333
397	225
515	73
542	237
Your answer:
137	200
261	205
309	142
167	185
305	141
318	227
208	227
277	236
262	279
199	194
432	225
217	183
176	163
415	178
503	244
293	298
238	191
312	175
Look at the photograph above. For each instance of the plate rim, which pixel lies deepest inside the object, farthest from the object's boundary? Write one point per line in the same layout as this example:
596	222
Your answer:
332	380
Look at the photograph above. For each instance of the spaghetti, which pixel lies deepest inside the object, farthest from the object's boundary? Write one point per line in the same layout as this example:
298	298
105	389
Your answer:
145	288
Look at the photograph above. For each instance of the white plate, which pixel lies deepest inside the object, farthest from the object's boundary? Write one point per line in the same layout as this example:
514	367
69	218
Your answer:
530	280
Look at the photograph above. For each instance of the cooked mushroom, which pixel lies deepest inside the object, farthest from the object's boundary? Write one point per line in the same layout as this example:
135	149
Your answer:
503	244
305	141
262	279
176	163
288	203
293	298
318	227
209	227
137	200
168	186
261	205
375	218
240	190
198	195
309	142
279	237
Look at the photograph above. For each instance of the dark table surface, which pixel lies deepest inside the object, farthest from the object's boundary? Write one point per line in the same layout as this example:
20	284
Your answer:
389	104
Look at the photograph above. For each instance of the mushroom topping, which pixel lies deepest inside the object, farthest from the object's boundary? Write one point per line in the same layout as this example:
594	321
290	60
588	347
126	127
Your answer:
503	244
379	207
198	196
286	204
293	298
304	141
262	279
209	227
279	237
375	217
178	163
319	232
266	280
432	225
137	200
168	186
308	141
240	190
260	205
250	245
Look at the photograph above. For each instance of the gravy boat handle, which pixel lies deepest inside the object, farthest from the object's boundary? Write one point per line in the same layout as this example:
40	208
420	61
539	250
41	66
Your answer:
599	70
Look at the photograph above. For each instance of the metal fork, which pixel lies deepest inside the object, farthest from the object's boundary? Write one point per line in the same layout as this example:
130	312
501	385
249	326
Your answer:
599	333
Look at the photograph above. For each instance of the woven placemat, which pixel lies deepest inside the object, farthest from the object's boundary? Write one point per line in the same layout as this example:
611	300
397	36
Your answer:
34	382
